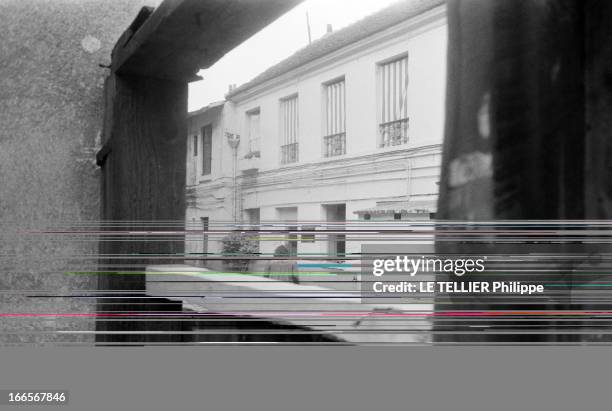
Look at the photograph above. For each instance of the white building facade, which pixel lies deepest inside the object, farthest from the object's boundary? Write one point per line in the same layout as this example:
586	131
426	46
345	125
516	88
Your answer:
351	134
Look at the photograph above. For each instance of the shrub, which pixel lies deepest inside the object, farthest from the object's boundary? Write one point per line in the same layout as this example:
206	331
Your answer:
238	244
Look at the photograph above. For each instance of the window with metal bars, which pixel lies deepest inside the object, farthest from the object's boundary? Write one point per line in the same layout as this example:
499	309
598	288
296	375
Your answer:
334	140
289	130
393	126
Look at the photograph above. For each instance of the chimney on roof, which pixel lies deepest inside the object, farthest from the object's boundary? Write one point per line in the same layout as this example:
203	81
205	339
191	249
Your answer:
231	88
329	28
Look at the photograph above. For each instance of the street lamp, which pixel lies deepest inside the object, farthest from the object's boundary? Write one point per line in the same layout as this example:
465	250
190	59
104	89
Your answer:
233	140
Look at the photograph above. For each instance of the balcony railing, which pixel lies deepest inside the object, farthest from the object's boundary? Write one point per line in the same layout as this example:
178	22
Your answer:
335	145
289	153
394	133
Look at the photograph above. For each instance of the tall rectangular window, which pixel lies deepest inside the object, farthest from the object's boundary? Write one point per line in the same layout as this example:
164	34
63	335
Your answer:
206	149
195	145
393	127
253	130
289	130
205	224
334	141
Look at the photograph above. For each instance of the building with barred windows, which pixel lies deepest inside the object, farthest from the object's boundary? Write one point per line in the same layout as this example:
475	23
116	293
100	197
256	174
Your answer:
348	128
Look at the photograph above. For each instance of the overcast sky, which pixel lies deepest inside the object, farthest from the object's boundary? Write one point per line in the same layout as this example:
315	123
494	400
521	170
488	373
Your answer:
276	42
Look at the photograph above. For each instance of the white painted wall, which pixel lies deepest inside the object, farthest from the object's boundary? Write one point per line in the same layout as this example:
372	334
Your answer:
427	73
366	174
213	192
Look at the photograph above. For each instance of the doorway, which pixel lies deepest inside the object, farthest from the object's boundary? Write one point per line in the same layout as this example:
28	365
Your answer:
335	215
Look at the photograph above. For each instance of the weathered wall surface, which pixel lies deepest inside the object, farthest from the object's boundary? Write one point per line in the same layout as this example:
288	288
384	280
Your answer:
51	111
514	143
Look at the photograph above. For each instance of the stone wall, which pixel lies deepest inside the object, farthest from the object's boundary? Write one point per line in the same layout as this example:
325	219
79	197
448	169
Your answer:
51	115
